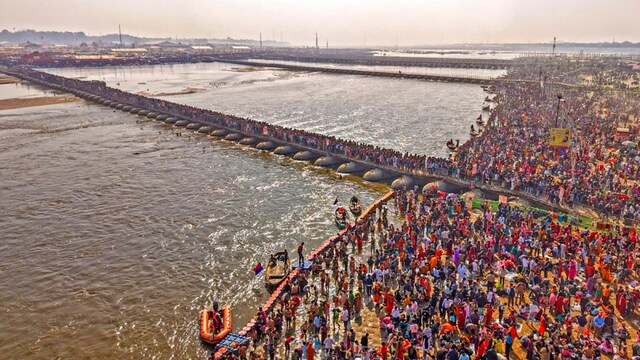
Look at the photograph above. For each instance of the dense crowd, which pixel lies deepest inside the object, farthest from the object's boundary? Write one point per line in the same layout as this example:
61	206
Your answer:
447	284
597	171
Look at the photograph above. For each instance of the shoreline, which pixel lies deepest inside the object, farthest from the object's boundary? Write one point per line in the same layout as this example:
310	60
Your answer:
5	80
19	103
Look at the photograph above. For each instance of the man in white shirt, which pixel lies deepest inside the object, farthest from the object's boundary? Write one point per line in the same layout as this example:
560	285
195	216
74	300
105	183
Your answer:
328	346
378	274
462	271
525	264
345	318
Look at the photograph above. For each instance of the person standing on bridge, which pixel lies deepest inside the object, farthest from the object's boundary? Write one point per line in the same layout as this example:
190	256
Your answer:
300	257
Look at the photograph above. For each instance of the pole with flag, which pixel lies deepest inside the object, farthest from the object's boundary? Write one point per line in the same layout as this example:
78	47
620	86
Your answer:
258	269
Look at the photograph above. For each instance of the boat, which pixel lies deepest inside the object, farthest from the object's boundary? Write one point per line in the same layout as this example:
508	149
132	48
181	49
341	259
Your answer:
341	218
277	269
474	133
486	107
488	99
480	122
207	332
452	146
355	206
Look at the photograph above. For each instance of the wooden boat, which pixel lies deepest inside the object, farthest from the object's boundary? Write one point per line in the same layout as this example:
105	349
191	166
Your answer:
486	107
340	218
474	133
207	331
480	122
355	206
277	269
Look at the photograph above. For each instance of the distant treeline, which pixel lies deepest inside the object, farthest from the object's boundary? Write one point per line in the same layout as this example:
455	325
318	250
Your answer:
78	38
65	37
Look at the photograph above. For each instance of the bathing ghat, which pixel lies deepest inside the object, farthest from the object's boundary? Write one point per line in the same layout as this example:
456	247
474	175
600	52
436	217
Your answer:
263	136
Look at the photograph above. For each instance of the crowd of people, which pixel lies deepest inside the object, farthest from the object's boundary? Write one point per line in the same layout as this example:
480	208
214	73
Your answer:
446	282
597	170
449	283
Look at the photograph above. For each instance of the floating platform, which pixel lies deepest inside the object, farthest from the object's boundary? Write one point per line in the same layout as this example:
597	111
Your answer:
328	161
377	174
305	156
230	341
233	137
285	150
306	266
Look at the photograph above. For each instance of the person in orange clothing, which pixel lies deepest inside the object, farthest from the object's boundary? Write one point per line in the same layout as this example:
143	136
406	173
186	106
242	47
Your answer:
389	302
433	262
310	351
384	351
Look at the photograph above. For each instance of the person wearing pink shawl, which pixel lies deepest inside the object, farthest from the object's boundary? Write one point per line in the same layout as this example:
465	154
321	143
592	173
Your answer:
572	271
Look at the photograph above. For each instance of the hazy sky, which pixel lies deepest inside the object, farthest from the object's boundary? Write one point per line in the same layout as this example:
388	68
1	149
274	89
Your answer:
342	22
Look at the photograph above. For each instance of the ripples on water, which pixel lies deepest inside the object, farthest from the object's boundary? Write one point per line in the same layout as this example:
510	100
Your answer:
116	233
407	115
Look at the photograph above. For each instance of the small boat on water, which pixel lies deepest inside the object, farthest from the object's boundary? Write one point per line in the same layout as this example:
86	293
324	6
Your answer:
473	132
214	325
480	122
355	206
277	269
341	218
486	107
452	146
488	99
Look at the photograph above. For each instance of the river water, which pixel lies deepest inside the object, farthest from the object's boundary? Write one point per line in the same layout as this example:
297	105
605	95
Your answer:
116	231
407	115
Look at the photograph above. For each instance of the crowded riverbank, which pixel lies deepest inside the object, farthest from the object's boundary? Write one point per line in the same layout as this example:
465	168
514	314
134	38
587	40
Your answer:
432	275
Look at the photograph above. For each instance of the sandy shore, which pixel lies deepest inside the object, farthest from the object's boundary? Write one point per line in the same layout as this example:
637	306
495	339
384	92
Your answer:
8	80
8	104
187	90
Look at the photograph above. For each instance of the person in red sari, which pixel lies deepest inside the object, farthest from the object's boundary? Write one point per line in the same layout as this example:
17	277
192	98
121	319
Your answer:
389	302
558	306
543	325
482	348
488	314
461	316
621	301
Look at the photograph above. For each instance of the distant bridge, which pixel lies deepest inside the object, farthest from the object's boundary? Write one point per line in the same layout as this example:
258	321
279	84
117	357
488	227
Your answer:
397	75
440	62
